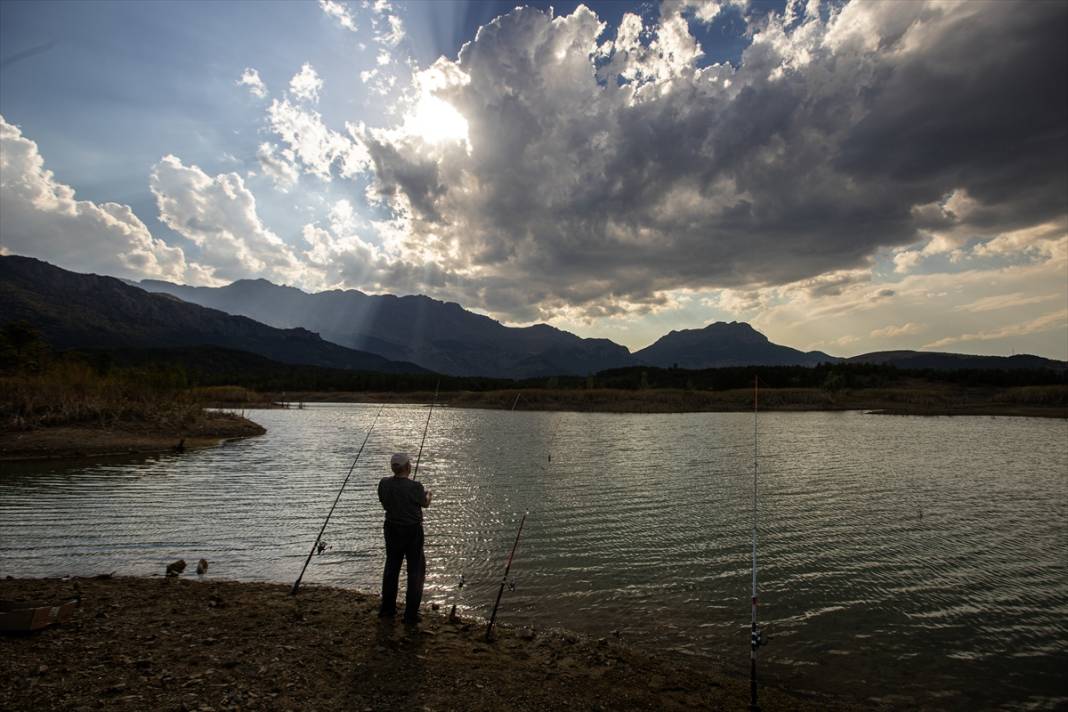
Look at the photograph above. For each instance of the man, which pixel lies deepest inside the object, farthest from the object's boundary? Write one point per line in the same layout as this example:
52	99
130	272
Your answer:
403	499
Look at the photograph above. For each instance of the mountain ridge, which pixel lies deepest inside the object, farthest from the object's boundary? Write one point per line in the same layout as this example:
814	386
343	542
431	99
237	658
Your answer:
389	333
74	310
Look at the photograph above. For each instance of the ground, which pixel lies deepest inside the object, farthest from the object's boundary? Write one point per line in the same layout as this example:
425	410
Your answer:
200	644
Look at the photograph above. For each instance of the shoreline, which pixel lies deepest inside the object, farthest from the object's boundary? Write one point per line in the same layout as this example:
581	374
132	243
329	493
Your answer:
901	401
84	442
183	643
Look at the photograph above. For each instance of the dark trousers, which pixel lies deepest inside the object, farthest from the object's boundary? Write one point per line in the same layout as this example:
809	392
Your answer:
403	542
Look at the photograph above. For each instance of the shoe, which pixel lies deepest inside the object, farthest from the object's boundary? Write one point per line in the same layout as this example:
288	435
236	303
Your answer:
409	620
387	614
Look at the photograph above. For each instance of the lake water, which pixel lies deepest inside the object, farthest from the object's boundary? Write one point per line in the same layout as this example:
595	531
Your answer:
913	561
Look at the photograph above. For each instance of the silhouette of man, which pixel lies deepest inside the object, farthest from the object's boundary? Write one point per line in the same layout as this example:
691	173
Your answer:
403	499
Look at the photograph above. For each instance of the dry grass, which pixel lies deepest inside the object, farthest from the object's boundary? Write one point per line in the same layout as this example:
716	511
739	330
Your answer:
1035	395
71	393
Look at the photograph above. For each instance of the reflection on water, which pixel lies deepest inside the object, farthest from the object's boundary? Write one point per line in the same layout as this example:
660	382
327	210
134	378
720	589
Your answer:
910	560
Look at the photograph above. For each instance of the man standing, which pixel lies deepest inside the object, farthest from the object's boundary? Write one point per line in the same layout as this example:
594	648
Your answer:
403	499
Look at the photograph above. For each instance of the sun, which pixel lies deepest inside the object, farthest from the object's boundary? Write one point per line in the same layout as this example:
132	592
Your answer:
436	121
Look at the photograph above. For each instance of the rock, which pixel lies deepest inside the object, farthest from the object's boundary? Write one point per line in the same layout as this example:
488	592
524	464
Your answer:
176	568
202	567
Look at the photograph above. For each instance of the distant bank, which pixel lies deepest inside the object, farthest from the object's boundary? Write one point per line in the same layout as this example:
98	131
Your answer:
921	399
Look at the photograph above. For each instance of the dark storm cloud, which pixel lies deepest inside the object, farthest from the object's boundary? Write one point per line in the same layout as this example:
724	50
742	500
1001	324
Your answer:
603	174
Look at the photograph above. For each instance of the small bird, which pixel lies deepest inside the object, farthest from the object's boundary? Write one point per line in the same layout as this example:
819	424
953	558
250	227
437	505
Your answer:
202	567
176	568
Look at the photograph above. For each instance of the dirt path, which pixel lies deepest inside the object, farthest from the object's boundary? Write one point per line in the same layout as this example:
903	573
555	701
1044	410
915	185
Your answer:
186	644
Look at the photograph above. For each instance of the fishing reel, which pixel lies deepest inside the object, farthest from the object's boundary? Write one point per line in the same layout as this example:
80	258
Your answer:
321	547
511	585
757	639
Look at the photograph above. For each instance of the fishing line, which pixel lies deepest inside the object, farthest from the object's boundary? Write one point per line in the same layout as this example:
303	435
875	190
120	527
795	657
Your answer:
318	539
755	639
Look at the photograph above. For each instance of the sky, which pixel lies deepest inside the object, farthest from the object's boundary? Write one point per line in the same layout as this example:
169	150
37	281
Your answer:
845	176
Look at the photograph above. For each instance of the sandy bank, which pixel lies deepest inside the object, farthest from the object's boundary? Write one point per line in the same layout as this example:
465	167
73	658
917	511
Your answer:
170	644
72	442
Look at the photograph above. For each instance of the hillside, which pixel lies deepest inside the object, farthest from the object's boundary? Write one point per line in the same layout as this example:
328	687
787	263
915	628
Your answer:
441	336
74	310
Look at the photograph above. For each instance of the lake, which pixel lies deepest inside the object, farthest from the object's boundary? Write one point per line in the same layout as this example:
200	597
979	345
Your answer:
908	560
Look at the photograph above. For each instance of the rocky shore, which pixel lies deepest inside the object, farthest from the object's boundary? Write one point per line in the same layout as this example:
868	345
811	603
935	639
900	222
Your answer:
200	644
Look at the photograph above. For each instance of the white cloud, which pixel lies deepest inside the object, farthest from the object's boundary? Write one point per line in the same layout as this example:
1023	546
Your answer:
892	331
251	79
306	84
388	26
1057	320
317	147
905	260
278	165
340	12
1007	301
219	215
41	217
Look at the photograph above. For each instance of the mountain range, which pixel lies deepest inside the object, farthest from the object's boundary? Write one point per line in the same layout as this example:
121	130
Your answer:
74	310
445	337
349	329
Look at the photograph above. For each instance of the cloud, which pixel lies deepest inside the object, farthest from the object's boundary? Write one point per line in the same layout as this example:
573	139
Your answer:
251	79
278	165
316	147
340	12
1007	301
388	26
905	260
41	217
306	84
602	172
1046	322
219	215
973	301
889	332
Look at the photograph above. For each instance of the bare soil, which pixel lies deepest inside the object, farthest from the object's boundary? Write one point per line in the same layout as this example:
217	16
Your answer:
189	644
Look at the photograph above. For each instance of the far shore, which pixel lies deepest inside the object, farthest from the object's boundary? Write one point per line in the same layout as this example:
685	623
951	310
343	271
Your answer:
188	643
72	442
1041	402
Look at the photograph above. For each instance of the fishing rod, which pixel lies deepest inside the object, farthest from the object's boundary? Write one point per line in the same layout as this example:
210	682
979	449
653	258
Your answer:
419	458
516	401
425	429
504	579
755	639
296	584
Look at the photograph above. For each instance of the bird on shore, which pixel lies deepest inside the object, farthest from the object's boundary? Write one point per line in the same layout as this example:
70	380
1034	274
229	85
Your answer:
176	568
202	567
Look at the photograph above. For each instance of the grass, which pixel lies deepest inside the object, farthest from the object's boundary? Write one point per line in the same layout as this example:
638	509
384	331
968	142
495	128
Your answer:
70	393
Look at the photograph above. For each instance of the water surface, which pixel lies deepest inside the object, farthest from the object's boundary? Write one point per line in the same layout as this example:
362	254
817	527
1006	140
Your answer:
915	561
